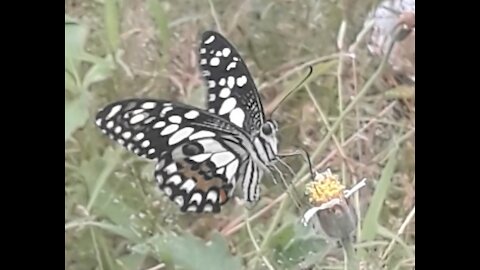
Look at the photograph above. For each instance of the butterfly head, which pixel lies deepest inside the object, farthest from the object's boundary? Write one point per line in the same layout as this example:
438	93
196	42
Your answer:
268	133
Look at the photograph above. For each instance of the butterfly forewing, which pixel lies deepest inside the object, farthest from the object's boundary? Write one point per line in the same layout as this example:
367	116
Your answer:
231	90
198	154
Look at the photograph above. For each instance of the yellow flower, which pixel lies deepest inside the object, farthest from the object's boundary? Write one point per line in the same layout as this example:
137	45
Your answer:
326	187
330	205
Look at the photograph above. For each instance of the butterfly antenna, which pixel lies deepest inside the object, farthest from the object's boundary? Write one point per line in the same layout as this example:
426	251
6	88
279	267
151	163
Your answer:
310	71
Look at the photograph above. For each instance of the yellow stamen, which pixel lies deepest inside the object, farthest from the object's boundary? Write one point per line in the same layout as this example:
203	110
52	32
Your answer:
325	188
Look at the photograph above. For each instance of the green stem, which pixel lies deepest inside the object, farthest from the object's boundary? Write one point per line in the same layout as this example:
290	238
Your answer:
349	255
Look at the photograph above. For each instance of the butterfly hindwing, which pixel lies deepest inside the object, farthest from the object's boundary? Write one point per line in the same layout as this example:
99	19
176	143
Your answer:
197	153
196	184
232	93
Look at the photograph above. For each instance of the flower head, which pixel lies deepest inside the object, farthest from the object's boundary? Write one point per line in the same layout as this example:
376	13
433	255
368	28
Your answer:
325	188
330	205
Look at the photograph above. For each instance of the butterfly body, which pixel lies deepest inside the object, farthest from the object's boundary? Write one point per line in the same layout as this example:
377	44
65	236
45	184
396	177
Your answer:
202	156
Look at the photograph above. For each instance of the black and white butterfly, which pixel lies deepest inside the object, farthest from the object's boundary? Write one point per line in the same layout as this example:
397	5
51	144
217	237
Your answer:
203	157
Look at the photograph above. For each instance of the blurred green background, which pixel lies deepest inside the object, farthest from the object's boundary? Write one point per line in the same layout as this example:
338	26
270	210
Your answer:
354	115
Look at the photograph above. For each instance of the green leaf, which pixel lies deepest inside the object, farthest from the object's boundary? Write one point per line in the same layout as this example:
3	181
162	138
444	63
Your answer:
191	253
295	244
76	114
70	83
118	199
75	39
98	72
370	223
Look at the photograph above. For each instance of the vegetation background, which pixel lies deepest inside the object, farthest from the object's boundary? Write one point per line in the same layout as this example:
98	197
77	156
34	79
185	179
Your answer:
355	115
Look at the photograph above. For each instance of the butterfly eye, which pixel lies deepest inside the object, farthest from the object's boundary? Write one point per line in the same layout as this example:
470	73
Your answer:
267	129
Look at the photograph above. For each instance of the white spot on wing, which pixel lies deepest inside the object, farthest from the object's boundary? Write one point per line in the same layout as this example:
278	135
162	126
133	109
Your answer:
212	196
165	110
215	61
241	81
175	119
167	191
192	208
227	105
172	168
226	52
180	135
118	129
159	124
145	143
209	40
188	185
192	114
151	151
211	84
230	82
200	157
231	65
222	159
179	200
139	136
237	116
115	109
149	120
231	169
98	122
218	53
196	197
175	179
203	61
224	93
211	110
211	97
222	82
201	134
137	118
203	50
148	105
126	135
207	208
160	179
212	145
169	129
110	124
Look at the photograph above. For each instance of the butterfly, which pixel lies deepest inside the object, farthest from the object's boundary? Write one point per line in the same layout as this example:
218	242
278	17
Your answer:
203	156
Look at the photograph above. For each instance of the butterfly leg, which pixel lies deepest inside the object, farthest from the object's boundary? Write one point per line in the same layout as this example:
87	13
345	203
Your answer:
300	152
293	194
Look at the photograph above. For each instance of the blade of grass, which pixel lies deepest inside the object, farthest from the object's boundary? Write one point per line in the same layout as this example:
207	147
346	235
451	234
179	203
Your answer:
159	16
112	24
370	222
111	162
389	234
113	229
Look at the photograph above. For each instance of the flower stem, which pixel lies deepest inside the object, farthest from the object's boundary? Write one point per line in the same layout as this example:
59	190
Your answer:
349	255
